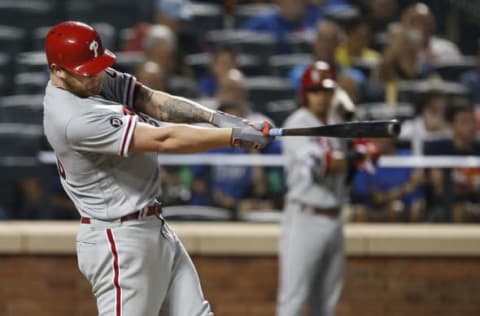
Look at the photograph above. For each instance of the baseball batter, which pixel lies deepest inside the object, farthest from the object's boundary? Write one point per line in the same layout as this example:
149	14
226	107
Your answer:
106	157
312	243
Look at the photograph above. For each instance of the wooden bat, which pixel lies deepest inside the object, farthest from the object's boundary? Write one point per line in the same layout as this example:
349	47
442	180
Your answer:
367	129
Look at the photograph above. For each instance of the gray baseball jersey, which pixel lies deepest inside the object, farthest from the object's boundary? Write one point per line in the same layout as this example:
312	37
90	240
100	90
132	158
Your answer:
136	267
90	137
302	154
311	249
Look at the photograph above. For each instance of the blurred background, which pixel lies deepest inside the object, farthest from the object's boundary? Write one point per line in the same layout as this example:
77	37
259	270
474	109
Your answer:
417	62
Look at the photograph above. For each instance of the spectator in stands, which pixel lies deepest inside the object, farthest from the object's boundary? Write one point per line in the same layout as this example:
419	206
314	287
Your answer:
173	13
388	194
401	62
356	44
471	79
290	16
327	38
159	45
419	23
223	60
380	13
465	191
151	74
429	122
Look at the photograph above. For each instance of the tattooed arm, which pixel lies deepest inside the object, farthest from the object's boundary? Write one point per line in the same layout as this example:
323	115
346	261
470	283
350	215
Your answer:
170	108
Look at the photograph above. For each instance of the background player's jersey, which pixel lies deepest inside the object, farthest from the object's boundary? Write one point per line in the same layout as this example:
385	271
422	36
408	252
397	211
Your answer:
301	153
91	137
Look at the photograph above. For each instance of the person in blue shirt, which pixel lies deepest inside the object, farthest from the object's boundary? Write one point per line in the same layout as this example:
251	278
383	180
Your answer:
223	60
290	16
388	194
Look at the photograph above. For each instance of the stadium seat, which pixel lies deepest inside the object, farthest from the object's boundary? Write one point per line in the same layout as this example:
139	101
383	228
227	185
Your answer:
279	110
245	12
280	65
261	45
128	61
264	89
26	14
12	40
384	111
31	62
30	82
19	140
408	89
250	65
118	13
6	73
25	109
300	43
206	17
182	86
452	71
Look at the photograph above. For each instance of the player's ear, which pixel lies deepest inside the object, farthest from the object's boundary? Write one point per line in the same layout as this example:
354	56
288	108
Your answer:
56	70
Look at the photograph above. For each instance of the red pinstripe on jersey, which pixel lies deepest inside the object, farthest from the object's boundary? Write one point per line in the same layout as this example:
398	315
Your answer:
116	274
126	136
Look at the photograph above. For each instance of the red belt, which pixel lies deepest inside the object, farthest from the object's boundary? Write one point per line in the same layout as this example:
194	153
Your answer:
330	212
151	210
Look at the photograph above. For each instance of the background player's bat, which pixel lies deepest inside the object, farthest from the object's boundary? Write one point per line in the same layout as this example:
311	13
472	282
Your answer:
368	129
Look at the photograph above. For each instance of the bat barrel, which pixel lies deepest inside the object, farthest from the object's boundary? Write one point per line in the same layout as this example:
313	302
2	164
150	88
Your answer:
367	129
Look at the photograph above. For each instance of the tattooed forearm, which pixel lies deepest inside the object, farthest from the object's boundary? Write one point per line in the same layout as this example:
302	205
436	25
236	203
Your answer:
168	108
180	110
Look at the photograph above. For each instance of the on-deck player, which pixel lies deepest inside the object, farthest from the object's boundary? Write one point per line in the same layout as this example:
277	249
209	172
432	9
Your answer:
106	157
312	243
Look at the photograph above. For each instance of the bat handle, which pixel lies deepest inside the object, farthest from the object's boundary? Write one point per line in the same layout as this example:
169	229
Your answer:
275	132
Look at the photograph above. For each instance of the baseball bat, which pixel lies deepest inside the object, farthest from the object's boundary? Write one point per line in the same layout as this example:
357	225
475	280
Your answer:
368	129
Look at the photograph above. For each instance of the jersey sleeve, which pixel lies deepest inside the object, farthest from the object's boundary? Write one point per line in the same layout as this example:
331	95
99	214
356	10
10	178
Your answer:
120	87
102	131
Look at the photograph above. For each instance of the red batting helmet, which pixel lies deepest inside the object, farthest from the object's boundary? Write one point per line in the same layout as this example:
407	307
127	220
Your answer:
318	76
77	47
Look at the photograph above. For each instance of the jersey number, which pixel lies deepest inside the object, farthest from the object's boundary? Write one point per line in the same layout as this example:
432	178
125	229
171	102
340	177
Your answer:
94	47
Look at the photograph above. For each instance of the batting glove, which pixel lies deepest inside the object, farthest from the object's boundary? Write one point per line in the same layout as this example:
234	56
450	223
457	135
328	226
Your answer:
251	136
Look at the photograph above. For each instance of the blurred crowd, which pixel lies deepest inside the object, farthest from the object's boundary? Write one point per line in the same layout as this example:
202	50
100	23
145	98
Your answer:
418	62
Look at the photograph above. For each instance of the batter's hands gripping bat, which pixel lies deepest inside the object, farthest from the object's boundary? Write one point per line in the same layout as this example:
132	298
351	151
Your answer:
366	129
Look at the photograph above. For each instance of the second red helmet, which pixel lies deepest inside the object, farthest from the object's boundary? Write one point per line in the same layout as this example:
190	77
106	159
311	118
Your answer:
319	75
